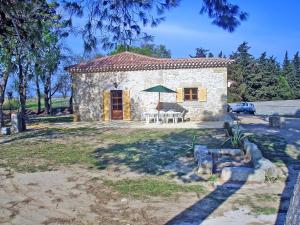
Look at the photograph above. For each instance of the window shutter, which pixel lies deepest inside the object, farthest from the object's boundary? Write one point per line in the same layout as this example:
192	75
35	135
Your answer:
179	95
202	94
106	105
126	105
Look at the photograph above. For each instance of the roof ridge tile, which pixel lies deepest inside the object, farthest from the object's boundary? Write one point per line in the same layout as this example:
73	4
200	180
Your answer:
127	61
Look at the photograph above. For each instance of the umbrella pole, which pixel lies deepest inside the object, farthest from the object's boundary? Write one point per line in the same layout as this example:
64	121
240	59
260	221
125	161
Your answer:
158	101
158	107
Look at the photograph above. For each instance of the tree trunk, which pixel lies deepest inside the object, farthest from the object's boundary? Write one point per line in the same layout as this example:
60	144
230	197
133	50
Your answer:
47	95
38	93
50	95
3	84
22	96
1	114
71	97
71	104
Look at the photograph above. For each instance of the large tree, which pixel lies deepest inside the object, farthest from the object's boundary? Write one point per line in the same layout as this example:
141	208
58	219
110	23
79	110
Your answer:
121	21
283	89
159	51
22	23
240	72
262	82
263	78
200	53
49	57
290	74
295	81
6	66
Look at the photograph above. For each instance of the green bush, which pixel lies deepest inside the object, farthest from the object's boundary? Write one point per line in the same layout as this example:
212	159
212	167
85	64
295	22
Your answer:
13	104
33	105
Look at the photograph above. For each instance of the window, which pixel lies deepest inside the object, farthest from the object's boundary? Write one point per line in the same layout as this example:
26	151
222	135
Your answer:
190	94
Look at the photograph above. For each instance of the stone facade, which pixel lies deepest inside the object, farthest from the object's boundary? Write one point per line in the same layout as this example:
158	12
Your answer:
89	87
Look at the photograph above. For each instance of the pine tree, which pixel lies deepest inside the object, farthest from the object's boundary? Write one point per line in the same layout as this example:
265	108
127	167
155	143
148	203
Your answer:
200	53
283	89
289	73
296	79
123	21
158	51
296	62
265	78
241	72
210	55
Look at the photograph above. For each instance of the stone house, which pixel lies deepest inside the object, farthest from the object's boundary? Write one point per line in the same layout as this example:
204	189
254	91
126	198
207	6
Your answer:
111	88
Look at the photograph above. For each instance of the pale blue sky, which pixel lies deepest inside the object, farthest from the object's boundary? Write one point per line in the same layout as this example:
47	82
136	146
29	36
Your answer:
272	26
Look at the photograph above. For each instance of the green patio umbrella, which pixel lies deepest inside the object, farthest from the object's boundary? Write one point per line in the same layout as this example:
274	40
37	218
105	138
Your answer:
159	89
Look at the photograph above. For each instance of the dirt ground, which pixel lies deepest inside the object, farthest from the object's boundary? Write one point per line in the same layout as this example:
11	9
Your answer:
79	194
74	195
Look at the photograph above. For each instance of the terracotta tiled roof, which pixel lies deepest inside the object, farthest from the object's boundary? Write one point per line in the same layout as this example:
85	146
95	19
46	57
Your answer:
128	61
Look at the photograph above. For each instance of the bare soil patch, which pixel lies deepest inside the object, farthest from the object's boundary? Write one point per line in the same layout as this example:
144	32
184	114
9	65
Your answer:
74	195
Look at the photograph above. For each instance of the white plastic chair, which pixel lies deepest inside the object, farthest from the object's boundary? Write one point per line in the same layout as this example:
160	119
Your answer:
170	116
162	116
143	116
177	116
151	115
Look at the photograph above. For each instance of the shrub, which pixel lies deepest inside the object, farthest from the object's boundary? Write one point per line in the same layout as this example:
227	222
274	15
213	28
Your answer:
12	104
237	138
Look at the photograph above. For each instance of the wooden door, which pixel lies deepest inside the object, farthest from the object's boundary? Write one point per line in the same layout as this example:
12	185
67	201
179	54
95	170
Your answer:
116	105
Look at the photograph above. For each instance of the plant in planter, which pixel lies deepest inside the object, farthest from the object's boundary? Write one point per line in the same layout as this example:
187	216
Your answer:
191	146
236	139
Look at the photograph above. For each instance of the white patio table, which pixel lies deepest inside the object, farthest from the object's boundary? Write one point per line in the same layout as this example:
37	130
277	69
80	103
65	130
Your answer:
161	116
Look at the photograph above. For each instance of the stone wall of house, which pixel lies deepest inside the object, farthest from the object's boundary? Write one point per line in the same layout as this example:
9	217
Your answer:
89	87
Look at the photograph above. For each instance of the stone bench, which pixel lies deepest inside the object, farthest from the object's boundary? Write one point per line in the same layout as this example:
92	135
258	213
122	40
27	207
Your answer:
258	161
204	159
242	174
261	169
227	151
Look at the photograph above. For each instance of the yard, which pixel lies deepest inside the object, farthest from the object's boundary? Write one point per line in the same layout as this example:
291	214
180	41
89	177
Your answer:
91	175
32	104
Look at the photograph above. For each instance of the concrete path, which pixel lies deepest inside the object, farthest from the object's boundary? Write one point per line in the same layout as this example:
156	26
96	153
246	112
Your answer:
260	124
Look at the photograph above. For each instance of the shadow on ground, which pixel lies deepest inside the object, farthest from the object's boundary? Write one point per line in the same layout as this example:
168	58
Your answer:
150	155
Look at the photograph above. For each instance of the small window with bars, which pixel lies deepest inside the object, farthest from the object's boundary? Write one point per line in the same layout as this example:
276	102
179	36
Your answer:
190	94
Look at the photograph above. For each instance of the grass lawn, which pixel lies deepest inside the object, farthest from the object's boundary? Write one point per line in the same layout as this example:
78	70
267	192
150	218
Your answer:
277	150
146	151
32	104
146	187
51	119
